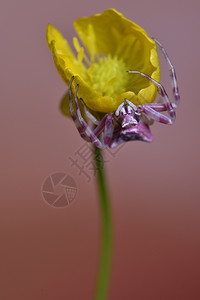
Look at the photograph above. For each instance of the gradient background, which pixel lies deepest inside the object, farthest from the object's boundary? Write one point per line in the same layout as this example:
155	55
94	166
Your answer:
49	253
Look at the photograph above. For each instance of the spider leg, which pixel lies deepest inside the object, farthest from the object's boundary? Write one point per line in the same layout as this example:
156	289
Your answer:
172	74
89	115
134	107
98	130
155	115
119	108
74	116
109	128
87	130
163	94
158	106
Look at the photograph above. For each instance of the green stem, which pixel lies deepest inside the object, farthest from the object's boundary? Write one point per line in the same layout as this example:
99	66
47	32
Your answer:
105	256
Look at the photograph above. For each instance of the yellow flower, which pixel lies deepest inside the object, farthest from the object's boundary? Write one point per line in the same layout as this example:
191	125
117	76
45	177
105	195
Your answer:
115	45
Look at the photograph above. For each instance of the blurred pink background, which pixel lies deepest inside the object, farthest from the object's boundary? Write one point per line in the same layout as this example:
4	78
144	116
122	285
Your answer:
52	253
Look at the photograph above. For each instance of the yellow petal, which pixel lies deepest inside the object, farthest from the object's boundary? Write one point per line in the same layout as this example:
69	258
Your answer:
110	33
80	51
107	34
96	32
63	56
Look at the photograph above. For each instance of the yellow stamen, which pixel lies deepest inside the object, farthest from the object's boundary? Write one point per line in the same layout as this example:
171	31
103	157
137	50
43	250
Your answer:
109	75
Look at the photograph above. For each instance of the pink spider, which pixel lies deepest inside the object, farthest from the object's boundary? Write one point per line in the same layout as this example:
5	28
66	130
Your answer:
129	122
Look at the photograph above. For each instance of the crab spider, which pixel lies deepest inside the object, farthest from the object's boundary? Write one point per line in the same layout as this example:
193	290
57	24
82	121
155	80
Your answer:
129	122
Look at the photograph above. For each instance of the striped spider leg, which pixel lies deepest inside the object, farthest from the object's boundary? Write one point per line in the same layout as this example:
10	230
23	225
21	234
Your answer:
85	131
172	74
105	124
152	110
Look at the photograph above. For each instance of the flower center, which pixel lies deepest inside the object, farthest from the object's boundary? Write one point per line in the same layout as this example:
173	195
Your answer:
108	76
